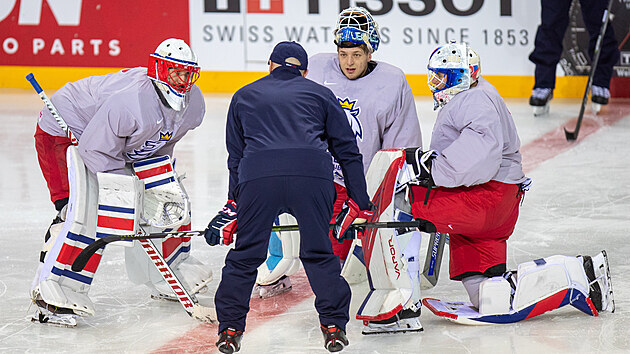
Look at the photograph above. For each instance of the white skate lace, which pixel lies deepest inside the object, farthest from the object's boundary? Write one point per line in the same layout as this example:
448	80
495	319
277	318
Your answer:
542	93
600	91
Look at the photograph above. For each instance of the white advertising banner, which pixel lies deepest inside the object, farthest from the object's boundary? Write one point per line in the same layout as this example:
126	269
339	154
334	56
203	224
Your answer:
238	35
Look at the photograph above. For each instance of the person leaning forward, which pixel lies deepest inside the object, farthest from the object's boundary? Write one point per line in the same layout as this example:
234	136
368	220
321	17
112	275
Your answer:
281	131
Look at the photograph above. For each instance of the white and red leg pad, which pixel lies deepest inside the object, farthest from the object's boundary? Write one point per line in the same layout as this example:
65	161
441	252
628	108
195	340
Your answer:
283	253
391	287
57	284
542	285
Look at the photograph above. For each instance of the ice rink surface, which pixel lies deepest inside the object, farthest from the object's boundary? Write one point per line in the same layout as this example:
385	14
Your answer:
579	204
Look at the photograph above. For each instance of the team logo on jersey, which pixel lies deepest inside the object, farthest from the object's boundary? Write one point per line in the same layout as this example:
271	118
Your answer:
352	113
150	146
166	136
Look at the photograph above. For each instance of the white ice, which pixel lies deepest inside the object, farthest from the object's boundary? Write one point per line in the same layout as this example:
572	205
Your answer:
579	204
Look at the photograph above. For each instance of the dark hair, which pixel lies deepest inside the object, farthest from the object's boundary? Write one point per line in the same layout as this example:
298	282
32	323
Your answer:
348	44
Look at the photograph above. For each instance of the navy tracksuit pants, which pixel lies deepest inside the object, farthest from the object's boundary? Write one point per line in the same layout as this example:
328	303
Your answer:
548	43
260	201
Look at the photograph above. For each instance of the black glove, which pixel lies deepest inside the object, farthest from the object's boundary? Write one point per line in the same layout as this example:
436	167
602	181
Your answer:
421	162
222	226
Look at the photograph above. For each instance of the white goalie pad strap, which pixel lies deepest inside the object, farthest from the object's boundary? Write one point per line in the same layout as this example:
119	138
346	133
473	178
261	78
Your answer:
166	204
284	260
119	205
78	231
544	277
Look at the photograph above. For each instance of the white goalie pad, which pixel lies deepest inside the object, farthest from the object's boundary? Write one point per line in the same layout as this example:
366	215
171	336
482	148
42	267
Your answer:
98	206
539	279
392	287
283	253
166	204
55	282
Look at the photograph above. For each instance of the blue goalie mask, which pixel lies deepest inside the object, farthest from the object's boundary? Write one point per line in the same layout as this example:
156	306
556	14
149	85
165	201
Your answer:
355	27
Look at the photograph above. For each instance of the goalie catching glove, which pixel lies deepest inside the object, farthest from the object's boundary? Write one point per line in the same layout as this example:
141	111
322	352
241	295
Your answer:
222	226
350	215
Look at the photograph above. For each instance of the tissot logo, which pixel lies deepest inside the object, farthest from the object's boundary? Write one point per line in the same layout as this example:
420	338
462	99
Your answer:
409	7
253	6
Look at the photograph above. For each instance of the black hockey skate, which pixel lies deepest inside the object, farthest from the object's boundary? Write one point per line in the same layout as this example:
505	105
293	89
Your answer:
229	340
406	320
600	284
599	97
334	338
540	100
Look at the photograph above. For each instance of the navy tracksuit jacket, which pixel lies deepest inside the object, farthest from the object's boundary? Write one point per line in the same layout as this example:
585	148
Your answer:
281	132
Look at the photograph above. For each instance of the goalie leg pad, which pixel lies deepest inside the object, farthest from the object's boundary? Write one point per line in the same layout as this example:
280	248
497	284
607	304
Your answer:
283	254
542	278
353	269
56	284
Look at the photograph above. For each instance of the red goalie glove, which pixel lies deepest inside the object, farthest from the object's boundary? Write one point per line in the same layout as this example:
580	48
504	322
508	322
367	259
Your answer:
350	214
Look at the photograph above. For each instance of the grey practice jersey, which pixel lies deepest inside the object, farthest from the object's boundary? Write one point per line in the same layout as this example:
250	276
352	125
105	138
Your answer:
379	106
476	139
119	118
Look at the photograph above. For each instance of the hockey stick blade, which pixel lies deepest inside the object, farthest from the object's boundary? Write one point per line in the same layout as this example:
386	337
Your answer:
84	256
433	262
572	135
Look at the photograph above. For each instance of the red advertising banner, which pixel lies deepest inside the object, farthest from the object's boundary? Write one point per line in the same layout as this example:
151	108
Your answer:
88	33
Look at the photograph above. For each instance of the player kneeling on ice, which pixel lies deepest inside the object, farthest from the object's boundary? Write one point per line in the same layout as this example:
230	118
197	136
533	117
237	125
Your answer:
470	185
118	179
281	131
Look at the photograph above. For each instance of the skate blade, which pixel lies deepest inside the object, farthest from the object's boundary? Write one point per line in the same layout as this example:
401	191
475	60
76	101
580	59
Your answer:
596	107
610	289
402	326
541	110
370	331
260	294
54	321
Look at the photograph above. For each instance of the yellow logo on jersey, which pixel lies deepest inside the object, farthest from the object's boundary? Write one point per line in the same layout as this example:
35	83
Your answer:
165	136
346	104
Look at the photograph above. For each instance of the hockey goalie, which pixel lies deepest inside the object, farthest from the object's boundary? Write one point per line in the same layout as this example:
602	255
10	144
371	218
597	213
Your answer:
118	179
470	185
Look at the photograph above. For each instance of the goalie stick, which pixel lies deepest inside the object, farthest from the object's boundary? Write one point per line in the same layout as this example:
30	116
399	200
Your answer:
190	304
433	261
51	108
85	255
572	135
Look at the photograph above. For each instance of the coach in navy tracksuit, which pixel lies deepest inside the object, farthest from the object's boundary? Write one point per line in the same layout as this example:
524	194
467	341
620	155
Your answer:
281	132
